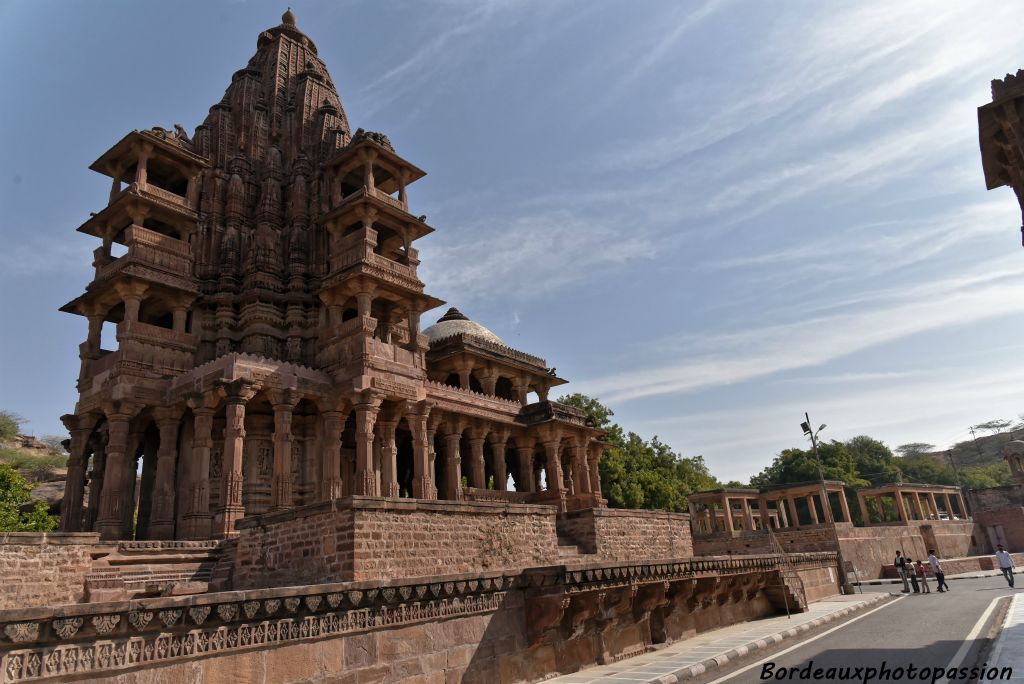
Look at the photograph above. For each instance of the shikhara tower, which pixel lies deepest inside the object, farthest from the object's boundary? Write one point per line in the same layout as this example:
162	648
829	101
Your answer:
268	351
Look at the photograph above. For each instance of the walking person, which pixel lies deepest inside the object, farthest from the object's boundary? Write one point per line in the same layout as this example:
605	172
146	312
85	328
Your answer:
912	572
940	576
901	568
924	578
1005	564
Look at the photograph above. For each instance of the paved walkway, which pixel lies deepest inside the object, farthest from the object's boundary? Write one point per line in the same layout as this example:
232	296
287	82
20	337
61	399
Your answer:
1008	650
708	650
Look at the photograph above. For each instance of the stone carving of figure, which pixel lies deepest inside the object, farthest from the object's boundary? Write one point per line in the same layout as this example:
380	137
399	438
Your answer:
236	198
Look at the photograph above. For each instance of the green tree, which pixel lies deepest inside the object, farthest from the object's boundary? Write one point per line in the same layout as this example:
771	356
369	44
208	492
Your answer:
921	469
984	476
914	448
10	423
639	473
14	492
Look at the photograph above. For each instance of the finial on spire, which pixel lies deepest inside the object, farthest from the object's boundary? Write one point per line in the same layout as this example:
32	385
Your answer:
288	18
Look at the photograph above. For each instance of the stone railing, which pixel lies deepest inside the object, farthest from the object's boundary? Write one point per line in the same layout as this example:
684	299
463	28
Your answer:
166	196
376	194
150	250
154	334
479	342
440	390
552	410
388	199
98	639
102	639
476	494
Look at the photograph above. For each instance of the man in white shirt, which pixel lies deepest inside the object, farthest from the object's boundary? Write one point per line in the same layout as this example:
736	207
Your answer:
940	576
1005	561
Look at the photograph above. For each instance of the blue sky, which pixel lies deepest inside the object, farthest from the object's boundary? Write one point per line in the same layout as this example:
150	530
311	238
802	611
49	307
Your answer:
713	216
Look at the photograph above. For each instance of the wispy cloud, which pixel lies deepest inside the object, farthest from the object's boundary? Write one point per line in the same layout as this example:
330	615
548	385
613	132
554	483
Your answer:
530	256
728	358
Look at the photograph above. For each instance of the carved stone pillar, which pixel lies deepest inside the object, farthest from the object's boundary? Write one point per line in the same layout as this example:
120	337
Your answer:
498	442
525	457
388	457
553	465
580	476
422	445
366	476
161	524
99	464
197	517
281	484
476	451
330	474
453	466
595	471
231	508
74	490
114	499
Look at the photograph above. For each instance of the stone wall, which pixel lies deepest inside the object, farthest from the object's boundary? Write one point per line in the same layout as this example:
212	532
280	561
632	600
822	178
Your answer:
995	497
507	626
44	568
625	535
1010	518
870	549
361	538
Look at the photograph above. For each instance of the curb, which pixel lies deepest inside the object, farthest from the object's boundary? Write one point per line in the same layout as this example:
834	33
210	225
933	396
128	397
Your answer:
988	573
723	659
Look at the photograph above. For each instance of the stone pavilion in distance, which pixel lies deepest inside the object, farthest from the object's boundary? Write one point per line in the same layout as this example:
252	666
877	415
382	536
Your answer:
276	476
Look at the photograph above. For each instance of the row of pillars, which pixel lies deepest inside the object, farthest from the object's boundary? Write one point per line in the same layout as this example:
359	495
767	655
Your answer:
923	505
115	482
785	514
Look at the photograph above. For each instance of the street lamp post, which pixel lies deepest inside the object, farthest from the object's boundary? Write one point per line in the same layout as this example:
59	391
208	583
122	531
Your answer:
826	505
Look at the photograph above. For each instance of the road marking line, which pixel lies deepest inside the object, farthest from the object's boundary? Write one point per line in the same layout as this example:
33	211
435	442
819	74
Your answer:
965	647
806	641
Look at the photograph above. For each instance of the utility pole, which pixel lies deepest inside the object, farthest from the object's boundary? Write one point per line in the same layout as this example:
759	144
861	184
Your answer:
975	437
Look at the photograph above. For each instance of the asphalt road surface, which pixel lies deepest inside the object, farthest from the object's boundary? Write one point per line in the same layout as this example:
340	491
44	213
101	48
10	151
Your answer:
926	631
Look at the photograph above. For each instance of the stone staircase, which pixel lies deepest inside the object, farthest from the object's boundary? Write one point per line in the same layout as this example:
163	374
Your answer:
568	548
136	569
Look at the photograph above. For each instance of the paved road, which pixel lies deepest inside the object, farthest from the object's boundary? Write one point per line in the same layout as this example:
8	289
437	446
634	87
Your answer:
924	630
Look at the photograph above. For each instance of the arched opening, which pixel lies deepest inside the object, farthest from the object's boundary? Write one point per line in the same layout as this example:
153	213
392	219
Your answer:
348	456
452	380
565	459
142	483
404	458
503	388
489	481
348	314
440	465
474	384
465	459
540	483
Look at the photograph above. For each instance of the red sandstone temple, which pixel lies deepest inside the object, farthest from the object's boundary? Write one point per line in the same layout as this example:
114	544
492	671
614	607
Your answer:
260	282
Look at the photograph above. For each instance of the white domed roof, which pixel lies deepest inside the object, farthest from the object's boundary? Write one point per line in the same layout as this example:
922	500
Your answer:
455	323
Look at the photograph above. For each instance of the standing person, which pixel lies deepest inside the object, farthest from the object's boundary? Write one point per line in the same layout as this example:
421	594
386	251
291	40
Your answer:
1005	564
924	578
912	572
940	576
901	568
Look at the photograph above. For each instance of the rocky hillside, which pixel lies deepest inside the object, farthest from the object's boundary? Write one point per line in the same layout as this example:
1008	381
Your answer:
985	450
43	465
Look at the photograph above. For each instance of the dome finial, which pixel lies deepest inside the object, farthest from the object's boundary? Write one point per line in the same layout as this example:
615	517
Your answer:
288	18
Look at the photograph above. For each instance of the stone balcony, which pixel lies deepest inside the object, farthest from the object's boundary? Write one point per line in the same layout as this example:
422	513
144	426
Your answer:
157	194
155	335
375	194
151	256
